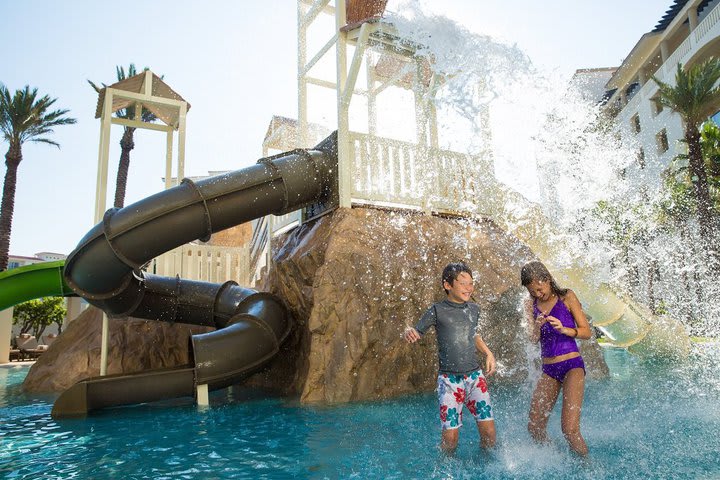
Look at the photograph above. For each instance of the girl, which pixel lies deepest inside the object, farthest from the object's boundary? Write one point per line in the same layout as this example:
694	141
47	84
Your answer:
556	319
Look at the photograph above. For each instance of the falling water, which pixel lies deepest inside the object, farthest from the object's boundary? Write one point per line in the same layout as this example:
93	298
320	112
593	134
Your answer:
551	143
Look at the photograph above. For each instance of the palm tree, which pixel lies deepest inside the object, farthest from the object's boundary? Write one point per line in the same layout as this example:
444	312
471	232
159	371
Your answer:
127	142
695	97
23	118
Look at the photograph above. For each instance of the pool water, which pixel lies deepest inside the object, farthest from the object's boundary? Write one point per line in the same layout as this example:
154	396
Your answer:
647	420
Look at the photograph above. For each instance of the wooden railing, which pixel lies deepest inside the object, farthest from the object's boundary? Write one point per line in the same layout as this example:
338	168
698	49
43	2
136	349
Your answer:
394	173
206	263
707	24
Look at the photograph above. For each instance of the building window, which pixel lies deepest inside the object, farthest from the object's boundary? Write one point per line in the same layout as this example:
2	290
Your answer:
657	107
631	90
635	123
662	141
641	158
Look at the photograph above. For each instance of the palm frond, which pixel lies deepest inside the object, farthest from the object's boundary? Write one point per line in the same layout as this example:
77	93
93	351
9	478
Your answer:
25	117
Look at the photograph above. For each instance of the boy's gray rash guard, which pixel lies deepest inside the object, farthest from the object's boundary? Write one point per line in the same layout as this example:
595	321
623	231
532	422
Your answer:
456	325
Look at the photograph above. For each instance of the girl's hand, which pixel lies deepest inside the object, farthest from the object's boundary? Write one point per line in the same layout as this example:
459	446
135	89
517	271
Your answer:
540	319
555	323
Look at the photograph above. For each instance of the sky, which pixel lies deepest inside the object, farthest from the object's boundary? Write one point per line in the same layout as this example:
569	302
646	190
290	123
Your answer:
235	62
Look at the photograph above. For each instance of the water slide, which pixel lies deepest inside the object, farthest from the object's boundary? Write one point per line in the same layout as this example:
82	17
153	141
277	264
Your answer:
106	269
21	284
625	322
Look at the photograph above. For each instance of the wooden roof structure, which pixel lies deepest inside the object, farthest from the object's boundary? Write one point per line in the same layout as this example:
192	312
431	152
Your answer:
152	94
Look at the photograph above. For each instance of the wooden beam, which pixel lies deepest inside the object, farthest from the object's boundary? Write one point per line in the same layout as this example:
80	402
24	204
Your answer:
138	124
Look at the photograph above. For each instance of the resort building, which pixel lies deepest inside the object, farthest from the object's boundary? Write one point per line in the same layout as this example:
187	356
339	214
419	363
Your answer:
688	33
15	261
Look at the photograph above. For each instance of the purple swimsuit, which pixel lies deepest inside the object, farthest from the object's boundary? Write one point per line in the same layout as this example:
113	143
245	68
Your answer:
553	343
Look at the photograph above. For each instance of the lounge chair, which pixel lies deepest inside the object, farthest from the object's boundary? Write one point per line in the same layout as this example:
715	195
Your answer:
28	346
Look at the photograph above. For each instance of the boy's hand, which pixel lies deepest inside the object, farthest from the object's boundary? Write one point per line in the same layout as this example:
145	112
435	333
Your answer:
411	335
490	364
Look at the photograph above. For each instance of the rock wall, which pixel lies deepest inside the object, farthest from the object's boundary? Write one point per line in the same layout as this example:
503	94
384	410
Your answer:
134	345
356	278
353	280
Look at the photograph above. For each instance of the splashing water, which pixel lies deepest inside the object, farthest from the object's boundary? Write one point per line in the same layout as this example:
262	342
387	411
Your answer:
551	143
646	421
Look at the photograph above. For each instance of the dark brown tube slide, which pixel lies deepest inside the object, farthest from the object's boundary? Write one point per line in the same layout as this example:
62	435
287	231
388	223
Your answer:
106	269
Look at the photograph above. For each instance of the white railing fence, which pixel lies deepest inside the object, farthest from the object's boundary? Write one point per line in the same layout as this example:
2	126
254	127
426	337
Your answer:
395	174
206	263
390	172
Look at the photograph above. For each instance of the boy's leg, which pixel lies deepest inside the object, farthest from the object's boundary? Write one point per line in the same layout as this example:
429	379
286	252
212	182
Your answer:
478	402
542	403
487	433
449	388
573	392
449	440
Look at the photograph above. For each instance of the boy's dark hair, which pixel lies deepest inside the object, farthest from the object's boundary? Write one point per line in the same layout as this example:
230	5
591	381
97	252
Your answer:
536	271
451	272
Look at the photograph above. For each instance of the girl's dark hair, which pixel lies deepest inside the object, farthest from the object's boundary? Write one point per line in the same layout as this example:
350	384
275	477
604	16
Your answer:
536	271
451	272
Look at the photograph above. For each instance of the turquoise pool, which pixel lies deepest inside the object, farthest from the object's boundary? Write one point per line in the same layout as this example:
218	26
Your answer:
646	421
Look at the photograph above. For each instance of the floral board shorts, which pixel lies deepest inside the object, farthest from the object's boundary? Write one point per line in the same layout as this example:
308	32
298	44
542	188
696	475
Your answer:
470	390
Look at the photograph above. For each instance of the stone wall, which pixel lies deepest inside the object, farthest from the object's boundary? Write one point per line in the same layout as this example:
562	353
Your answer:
134	345
356	278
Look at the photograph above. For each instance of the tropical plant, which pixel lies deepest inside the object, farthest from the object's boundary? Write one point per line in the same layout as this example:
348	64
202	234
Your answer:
24	117
695	97
127	142
38	314
710	143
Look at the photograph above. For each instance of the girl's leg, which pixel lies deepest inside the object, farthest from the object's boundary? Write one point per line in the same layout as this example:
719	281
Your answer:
542	403
573	391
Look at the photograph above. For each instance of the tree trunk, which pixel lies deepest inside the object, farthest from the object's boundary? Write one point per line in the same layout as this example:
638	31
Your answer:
127	143
700	184
12	160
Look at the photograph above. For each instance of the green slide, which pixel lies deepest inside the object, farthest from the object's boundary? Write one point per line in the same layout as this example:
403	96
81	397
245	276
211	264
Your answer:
21	284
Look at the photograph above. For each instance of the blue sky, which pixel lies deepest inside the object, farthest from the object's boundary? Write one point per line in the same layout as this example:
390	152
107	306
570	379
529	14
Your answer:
235	62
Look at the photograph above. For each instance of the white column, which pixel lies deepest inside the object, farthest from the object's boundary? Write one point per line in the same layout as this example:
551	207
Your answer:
181	142
6	321
693	18
371	98
168	159
74	307
100	198
302	83
664	51
203	397
421	116
103	156
343	119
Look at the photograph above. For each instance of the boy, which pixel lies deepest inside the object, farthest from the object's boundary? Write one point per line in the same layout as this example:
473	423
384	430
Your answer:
460	380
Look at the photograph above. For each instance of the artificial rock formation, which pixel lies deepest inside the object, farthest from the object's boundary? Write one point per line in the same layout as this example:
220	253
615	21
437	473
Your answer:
352	280
356	278
134	345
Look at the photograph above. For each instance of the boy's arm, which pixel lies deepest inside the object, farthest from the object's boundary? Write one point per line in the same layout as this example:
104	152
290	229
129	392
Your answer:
490	364
412	335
